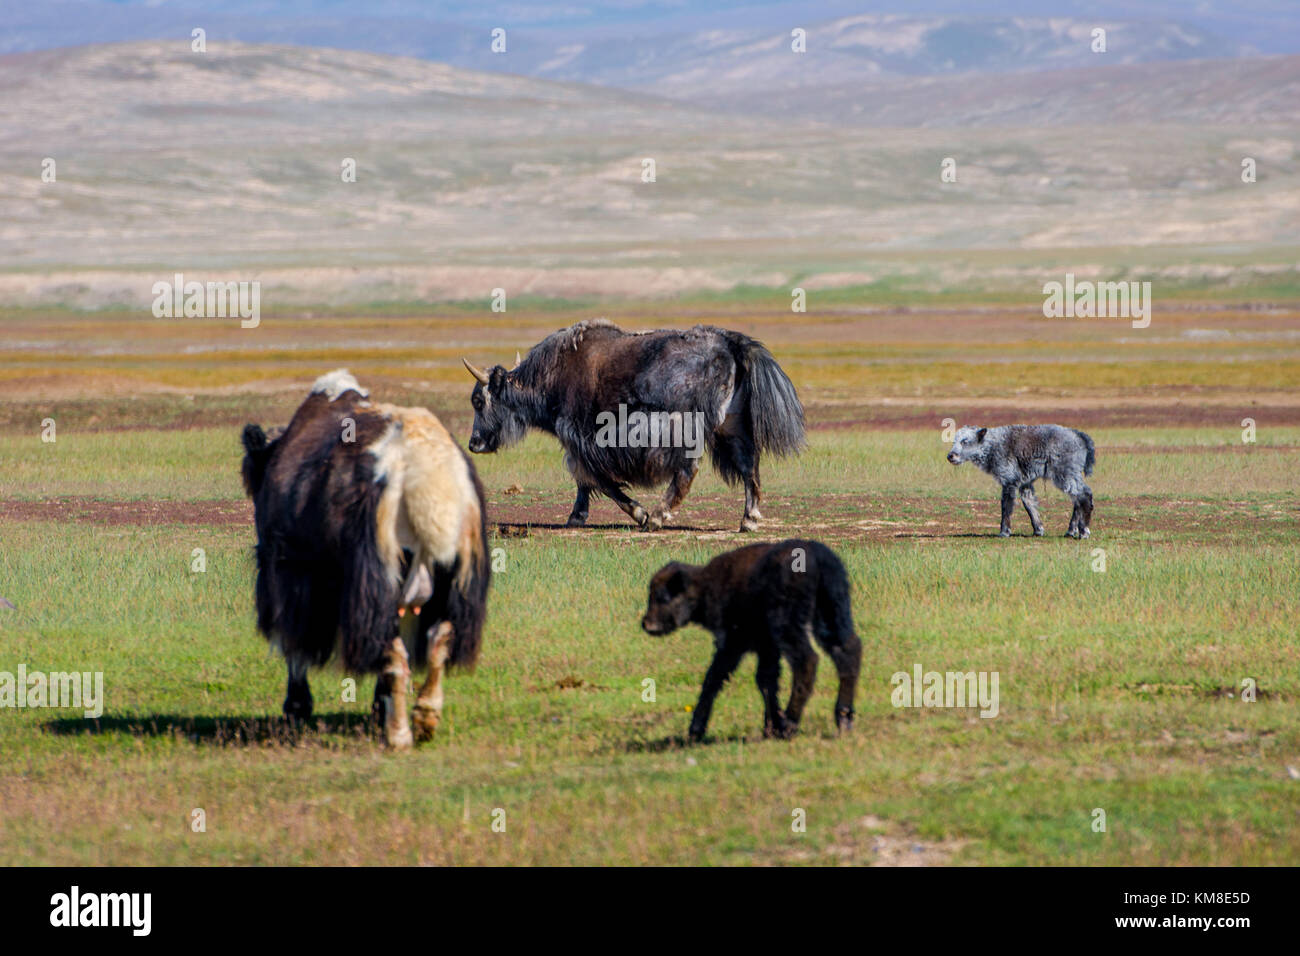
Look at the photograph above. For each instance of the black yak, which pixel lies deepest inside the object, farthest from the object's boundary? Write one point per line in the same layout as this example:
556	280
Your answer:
372	541
774	600
638	409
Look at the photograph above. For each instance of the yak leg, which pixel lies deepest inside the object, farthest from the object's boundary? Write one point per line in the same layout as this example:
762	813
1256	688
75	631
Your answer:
1008	506
752	495
581	505
1030	501
1081	494
428	702
297	700
848	659
724	662
393	680
632	507
767	677
1085	513
673	497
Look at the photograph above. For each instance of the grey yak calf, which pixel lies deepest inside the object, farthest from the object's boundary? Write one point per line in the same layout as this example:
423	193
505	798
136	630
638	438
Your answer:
773	600
1019	455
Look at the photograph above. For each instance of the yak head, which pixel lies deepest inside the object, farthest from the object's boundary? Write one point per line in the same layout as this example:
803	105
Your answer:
673	595
257	452
966	445
498	410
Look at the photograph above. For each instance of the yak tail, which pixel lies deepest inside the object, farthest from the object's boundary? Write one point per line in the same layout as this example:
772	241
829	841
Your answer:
1091	458
775	413
467	598
368	600
833	594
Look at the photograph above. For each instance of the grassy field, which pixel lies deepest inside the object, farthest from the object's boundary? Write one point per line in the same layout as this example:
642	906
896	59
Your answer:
1120	689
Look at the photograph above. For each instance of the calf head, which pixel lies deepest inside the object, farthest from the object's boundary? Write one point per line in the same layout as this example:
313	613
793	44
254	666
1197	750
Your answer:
673	595
498	414
967	444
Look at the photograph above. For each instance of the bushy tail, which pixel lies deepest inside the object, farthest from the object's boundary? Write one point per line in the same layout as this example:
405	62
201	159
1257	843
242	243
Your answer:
775	412
368	602
1091	458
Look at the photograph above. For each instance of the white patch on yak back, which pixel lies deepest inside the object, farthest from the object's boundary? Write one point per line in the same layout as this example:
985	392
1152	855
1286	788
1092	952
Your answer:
335	383
430	495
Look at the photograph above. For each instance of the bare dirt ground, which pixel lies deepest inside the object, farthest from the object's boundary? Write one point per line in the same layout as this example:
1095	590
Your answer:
221	514
834	517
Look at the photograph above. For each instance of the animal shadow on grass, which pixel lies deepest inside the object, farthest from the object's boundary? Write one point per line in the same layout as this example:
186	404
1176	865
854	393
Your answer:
226	731
959	534
684	743
517	530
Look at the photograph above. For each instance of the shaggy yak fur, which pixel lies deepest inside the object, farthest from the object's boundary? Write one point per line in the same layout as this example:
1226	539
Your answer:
372	541
772	599
709	388
1018	455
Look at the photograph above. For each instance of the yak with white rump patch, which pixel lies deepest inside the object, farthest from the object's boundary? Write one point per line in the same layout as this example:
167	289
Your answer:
1018	455
702	388
372	541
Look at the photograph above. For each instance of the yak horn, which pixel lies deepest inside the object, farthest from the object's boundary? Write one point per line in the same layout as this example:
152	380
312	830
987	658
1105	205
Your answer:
519	359
482	377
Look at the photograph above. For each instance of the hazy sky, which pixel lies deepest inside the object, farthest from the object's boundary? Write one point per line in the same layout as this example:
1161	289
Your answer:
1272	26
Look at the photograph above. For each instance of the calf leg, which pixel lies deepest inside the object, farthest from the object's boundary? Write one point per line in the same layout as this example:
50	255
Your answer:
767	677
803	666
297	699
1008	506
581	504
845	651
429	700
674	495
1030	501
724	663
1084	505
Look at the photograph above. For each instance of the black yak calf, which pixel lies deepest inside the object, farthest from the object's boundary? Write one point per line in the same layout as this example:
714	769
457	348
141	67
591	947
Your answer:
772	599
371	539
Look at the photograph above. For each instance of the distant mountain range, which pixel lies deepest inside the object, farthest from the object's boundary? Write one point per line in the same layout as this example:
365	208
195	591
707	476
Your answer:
747	54
170	161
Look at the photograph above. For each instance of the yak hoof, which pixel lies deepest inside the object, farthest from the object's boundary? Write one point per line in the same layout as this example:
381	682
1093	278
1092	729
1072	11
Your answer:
781	729
1072	533
640	516
1004	534
1039	532
425	720
576	521
400	739
749	523
297	709
843	723
1086	533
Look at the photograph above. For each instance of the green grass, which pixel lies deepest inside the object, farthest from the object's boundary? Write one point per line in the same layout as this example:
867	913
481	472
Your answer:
1113	685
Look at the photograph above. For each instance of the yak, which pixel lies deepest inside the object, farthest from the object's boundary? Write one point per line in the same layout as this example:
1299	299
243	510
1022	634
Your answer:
773	600
372	543
639	409
1019	455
